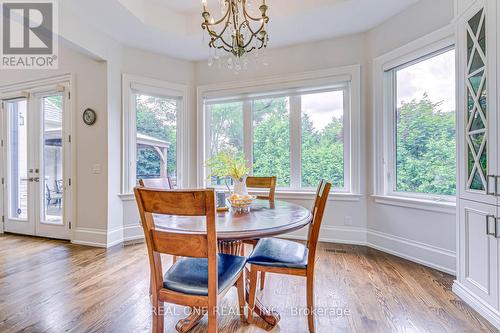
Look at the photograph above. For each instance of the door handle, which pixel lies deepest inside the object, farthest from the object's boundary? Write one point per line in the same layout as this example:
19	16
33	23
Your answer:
31	179
497	234
488	177
488	233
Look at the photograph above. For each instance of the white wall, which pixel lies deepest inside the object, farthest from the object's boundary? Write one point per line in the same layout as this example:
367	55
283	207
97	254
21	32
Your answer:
155	66
302	58
421	235
89	91
424	236
121	222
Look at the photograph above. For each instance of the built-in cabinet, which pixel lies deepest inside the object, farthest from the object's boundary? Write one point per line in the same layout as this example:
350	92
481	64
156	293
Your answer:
478	73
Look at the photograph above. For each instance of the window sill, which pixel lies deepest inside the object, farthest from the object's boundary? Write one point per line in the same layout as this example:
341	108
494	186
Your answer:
416	203
290	195
309	195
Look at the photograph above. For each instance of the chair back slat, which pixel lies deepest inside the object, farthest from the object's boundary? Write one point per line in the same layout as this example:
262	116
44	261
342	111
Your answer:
159	183
263	183
317	217
174	202
183	245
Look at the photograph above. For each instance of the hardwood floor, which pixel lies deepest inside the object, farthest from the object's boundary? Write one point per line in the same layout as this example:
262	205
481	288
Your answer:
54	286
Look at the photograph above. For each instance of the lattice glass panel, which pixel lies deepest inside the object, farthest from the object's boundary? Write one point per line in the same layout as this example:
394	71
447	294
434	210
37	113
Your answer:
477	103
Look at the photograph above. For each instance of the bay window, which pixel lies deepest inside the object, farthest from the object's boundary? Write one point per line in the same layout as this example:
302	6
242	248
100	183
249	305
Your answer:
299	135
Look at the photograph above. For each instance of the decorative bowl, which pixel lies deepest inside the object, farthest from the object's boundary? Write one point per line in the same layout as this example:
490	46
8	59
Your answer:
241	203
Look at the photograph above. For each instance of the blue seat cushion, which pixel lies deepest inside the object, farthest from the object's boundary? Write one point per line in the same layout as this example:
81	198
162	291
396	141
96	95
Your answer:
190	275
279	253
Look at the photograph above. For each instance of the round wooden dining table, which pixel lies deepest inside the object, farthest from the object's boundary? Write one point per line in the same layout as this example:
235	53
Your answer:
265	219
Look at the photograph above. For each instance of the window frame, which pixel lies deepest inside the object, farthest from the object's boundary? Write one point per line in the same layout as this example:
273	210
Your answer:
131	84
385	100
292	86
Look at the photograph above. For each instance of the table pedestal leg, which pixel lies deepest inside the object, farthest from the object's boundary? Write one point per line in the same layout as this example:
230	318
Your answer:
270	317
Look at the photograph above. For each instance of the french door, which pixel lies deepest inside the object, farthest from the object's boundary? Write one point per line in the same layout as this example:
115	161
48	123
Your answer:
36	170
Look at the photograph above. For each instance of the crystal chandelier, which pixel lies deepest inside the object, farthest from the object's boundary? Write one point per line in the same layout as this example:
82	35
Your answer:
237	32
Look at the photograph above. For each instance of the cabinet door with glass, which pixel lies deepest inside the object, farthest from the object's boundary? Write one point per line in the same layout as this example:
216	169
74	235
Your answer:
477	62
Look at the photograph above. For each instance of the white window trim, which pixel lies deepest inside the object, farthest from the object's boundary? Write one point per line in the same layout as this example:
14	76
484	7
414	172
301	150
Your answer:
156	88
383	88
351	74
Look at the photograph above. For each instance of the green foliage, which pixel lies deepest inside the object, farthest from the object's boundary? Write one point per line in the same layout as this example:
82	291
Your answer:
226	127
322	153
426	160
271	139
227	163
156	117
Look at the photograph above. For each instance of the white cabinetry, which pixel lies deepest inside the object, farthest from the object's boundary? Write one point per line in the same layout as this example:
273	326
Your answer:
479	248
478	157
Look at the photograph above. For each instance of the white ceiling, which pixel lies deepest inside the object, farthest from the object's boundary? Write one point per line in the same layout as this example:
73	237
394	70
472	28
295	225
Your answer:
173	27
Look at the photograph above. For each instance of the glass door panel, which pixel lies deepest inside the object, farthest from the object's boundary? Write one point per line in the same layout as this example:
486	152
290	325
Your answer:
17	199
17	160
51	173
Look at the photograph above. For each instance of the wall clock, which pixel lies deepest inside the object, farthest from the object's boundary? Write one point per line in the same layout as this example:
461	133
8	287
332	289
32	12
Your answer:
89	117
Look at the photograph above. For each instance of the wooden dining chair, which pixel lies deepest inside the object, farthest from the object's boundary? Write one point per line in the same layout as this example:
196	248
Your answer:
202	276
260	183
164	183
159	183
286	257
263	183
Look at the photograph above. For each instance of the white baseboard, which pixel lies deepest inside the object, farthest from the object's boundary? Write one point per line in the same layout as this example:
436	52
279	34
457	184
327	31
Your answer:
114	237
132	233
98	237
484	309
334	234
90	237
438	258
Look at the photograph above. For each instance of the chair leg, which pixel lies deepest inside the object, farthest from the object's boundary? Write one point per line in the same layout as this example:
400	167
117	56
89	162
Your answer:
262	280
252	292
310	302
158	316
212	319
174	259
240	285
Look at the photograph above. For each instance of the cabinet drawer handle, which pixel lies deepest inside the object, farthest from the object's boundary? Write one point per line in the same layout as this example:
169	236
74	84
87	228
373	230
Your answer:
497	178
497	234
488	217
488	177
